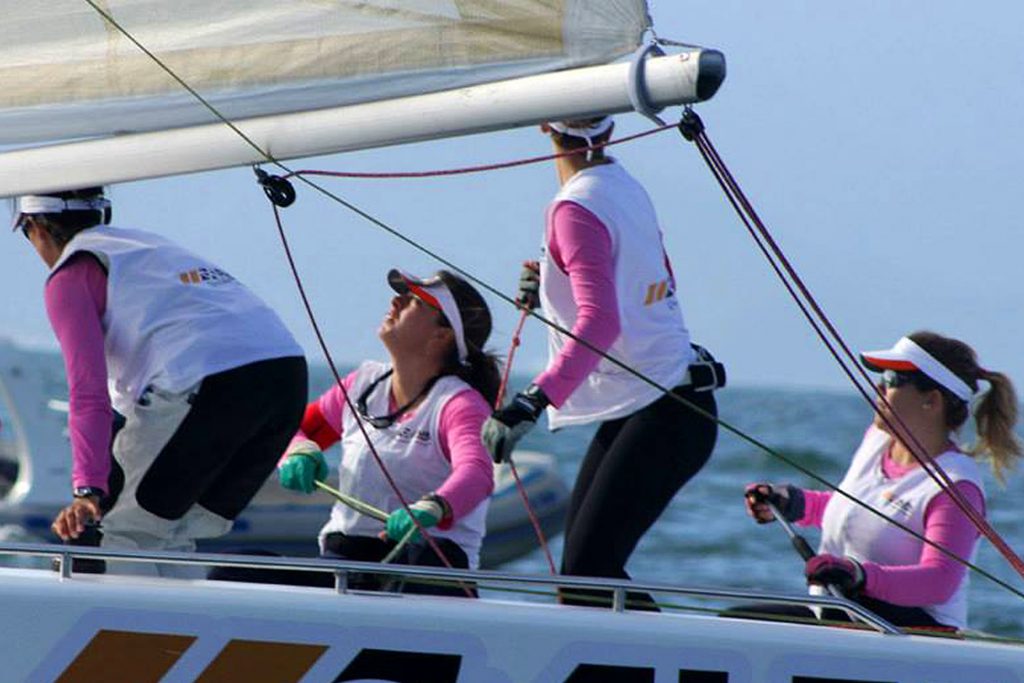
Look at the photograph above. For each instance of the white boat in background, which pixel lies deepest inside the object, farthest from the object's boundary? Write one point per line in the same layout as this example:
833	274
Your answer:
35	473
305	78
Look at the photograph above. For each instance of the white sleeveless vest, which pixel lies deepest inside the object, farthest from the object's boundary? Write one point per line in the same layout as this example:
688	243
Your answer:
849	529
653	339
411	451
172	318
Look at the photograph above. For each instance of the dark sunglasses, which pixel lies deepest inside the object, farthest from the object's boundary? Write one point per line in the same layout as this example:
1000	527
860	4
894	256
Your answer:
22	224
897	378
385	421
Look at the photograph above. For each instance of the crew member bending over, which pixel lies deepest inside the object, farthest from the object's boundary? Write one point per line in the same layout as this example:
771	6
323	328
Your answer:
210	382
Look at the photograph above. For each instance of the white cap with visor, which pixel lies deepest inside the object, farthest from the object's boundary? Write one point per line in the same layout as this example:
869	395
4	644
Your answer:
434	292
907	356
33	204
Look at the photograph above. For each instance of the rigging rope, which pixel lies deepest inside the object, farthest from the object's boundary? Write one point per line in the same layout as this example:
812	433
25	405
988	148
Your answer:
352	409
511	463
692	128
662	389
486	286
465	170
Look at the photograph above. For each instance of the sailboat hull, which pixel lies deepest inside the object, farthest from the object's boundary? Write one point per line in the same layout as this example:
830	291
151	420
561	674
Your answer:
88	628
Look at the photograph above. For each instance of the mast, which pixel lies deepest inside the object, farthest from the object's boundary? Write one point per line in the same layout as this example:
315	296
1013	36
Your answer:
678	79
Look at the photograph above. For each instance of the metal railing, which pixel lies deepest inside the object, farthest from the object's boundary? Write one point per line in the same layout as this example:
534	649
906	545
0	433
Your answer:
342	569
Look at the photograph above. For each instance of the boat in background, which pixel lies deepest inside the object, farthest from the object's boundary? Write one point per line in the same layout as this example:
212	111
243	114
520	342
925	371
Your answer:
35	476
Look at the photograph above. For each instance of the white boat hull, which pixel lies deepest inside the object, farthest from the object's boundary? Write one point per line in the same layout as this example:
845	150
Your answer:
91	628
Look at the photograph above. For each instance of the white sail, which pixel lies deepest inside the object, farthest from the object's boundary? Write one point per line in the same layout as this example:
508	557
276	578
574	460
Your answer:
66	72
305	78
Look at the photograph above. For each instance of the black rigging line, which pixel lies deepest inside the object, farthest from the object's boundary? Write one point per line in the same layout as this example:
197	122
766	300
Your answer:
500	295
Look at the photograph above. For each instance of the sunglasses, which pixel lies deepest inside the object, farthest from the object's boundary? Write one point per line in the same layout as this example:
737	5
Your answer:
385	421
895	378
22	224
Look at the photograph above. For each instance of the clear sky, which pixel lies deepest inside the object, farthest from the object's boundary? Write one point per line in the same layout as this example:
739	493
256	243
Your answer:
880	140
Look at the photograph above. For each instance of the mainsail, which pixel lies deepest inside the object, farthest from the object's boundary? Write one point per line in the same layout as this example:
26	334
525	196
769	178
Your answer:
67	73
299	78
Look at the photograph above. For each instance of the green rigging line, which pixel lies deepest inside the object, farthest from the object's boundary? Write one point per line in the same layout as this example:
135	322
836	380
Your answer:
500	295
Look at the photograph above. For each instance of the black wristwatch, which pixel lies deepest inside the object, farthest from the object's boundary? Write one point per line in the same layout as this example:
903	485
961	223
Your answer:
87	492
533	399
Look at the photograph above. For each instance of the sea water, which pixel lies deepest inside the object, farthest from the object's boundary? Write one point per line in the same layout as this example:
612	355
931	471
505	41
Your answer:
705	538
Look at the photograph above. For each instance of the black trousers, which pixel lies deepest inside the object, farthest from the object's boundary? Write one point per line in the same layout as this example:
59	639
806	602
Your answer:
632	470
416	553
240	423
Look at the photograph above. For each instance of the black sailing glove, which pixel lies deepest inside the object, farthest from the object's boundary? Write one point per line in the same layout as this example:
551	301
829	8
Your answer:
788	499
507	425
529	286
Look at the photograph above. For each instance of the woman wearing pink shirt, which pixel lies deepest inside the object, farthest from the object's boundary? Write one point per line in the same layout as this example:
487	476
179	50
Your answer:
930	384
210	382
423	412
605	275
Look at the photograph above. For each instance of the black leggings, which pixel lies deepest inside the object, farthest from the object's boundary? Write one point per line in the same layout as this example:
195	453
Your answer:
633	468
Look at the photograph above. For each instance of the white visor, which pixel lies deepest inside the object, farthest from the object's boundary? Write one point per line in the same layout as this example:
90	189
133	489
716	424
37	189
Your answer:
32	203
436	293
906	356
586	132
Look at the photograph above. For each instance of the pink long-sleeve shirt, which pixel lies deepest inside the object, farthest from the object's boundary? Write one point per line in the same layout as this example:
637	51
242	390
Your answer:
580	246
935	577
472	477
76	300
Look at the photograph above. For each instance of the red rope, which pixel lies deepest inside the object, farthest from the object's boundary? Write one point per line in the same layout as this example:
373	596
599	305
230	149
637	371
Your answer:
511	464
743	207
474	169
348	400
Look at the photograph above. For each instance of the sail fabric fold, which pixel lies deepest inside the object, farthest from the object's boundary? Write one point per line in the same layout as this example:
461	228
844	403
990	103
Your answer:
67	73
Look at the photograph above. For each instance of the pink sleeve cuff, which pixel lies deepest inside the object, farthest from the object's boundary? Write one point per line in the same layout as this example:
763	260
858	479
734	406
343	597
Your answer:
814	507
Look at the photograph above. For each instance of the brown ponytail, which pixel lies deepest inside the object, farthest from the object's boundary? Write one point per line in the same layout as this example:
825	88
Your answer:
995	417
996	413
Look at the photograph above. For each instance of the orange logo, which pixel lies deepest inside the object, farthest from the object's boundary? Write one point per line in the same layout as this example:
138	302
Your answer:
656	291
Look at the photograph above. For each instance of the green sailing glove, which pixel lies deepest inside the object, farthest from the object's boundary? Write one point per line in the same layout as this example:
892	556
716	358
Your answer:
428	511
304	466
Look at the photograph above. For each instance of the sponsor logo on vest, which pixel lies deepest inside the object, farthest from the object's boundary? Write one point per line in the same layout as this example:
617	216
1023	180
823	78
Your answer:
656	291
210	276
407	434
891	501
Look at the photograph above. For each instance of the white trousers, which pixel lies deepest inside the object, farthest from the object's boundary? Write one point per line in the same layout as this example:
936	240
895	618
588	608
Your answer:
149	426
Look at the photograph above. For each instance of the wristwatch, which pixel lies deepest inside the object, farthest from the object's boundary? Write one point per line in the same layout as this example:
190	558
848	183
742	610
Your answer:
533	399
87	492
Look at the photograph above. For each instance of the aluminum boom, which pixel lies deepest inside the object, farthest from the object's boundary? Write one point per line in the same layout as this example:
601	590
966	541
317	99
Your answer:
670	80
